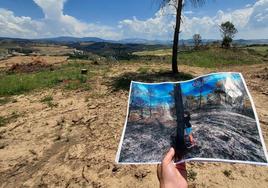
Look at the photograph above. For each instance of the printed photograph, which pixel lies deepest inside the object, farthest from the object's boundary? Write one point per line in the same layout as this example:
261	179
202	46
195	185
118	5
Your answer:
151	123
219	119
210	117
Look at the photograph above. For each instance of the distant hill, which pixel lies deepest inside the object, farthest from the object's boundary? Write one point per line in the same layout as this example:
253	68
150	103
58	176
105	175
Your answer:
119	50
143	41
250	42
74	39
187	42
95	39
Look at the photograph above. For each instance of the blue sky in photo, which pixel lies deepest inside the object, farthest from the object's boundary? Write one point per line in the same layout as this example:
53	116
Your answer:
118	19
209	84
161	93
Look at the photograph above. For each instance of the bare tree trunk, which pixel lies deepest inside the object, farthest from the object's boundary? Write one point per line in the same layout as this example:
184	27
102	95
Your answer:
141	113
150	93
180	147
176	38
200	98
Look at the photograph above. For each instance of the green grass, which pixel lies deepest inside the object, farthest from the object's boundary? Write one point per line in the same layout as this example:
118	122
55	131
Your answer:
213	57
51	104
47	98
67	75
162	52
49	101
191	175
2	121
218	57
122	82
143	70
259	48
262	50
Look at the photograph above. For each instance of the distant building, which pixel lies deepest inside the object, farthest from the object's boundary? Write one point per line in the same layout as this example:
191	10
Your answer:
78	52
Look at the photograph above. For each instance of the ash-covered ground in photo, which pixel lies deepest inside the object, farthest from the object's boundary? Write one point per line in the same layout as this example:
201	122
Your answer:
223	134
146	141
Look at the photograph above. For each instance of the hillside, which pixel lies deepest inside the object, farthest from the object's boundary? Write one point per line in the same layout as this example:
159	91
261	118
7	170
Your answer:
188	42
59	128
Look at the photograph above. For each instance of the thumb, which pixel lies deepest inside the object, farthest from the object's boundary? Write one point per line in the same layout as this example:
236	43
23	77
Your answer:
169	156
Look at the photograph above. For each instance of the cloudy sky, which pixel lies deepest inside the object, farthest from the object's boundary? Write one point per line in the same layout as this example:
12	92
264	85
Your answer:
118	19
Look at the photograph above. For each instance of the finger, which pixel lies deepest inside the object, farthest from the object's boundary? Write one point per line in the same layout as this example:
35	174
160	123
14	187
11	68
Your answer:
159	172
169	156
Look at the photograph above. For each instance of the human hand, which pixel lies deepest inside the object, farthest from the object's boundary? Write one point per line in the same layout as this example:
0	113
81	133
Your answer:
171	175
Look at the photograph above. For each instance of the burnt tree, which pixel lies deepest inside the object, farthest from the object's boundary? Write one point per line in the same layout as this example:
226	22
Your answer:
180	146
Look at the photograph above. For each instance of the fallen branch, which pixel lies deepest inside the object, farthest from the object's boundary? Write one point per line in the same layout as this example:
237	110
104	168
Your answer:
83	175
16	126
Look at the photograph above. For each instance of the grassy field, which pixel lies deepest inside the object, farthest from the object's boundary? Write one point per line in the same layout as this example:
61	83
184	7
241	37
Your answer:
212	57
68	76
60	134
163	52
219	57
263	50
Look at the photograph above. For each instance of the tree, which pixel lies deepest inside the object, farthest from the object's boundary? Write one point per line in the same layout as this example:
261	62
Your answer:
199	83
197	40
178	5
137	101
150	95
219	91
228	31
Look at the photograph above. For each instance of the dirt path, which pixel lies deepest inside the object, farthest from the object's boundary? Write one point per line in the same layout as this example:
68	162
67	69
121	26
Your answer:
75	143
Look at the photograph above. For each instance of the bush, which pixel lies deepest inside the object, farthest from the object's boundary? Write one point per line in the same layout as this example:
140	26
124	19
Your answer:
227	173
47	99
191	175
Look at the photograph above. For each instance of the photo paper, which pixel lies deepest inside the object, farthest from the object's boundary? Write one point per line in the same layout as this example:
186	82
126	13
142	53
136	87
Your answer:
210	118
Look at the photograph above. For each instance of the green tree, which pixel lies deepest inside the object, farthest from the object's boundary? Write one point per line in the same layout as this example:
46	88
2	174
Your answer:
228	31
178	5
197	40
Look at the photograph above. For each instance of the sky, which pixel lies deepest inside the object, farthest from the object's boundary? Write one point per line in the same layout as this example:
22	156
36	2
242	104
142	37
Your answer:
209	84
120	19
161	94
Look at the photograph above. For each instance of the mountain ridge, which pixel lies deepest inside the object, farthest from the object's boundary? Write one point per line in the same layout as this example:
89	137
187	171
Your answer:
69	39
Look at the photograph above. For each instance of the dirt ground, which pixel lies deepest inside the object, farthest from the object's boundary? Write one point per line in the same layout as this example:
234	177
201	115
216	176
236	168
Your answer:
74	143
7	63
53	50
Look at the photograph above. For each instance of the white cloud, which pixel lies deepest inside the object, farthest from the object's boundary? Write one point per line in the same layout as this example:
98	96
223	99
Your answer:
158	27
251	22
10	25
54	23
51	8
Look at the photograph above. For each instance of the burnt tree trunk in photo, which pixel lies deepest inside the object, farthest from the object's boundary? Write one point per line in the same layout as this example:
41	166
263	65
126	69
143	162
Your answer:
199	83
150	94
141	113
180	142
